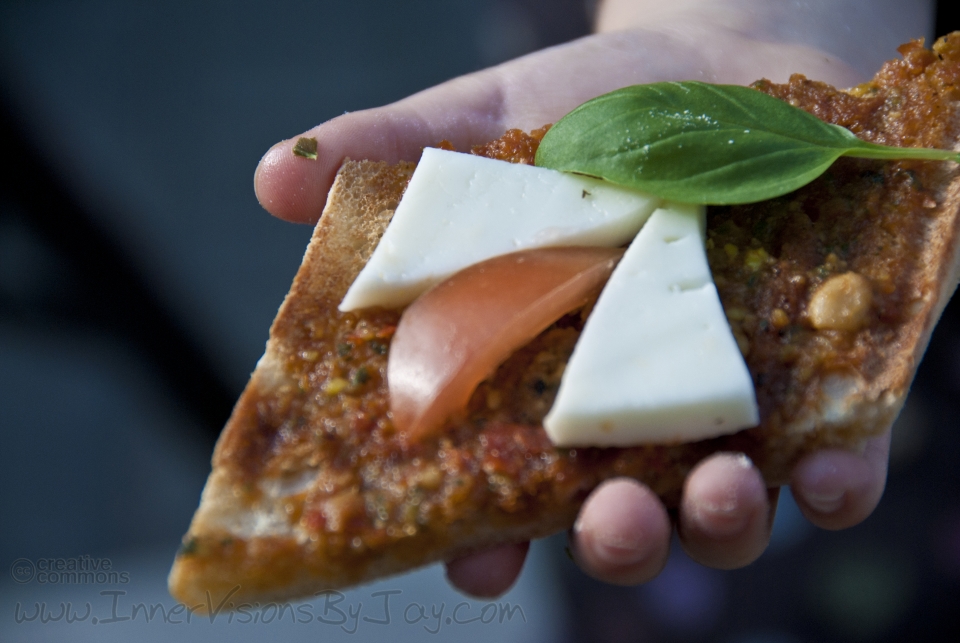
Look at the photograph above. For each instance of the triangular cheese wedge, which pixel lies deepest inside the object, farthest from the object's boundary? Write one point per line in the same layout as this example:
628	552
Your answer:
656	363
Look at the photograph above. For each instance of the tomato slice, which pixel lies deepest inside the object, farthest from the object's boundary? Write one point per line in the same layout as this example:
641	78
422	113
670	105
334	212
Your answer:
457	333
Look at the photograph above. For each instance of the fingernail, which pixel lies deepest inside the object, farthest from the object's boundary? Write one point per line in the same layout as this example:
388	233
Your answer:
823	502
722	520
618	550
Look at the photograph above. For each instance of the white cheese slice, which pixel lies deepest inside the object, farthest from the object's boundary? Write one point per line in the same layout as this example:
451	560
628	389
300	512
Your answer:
460	209
656	362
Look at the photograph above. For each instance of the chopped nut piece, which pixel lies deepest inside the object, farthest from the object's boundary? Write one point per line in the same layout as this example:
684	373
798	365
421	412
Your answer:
430	477
841	303
754	259
336	385
779	318
306	147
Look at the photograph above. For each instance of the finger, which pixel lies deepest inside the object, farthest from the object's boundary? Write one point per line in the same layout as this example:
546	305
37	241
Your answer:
489	573
623	533
725	518
838	489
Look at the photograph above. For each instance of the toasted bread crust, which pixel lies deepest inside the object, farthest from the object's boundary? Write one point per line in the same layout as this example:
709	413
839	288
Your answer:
291	506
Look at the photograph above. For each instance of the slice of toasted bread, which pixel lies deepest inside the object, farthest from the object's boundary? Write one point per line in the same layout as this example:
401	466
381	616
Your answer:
313	489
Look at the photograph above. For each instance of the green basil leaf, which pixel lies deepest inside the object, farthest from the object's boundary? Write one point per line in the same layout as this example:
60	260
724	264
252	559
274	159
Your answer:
700	143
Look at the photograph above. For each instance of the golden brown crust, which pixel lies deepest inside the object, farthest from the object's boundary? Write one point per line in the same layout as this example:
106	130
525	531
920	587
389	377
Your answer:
312	489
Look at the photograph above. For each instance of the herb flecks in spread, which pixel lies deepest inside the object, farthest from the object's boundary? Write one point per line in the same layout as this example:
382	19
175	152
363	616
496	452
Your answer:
699	143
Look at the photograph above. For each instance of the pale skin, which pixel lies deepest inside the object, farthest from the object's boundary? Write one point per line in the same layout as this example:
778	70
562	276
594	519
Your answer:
623	532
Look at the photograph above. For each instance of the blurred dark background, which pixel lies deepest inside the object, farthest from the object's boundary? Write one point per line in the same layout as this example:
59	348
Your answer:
138	277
